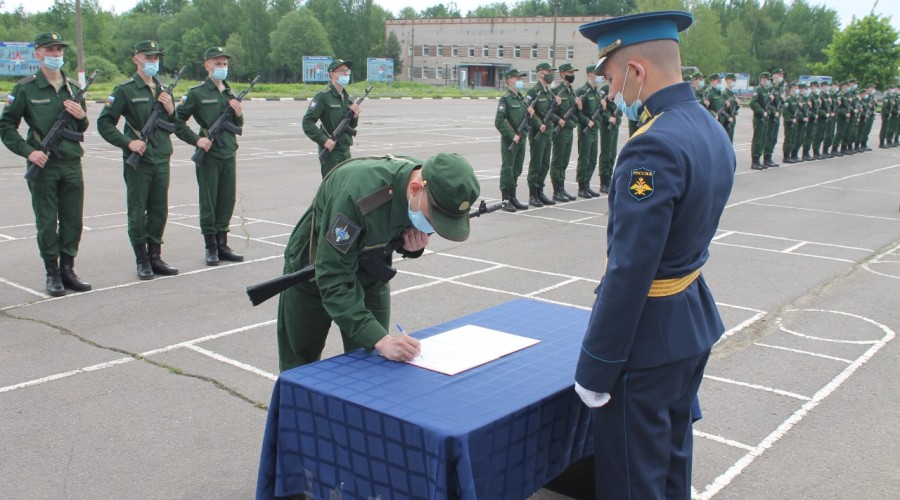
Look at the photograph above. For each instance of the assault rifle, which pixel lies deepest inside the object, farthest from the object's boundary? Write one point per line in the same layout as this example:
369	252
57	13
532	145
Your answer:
60	131
597	112
523	126
565	117
343	127
148	131
549	115
372	261
223	123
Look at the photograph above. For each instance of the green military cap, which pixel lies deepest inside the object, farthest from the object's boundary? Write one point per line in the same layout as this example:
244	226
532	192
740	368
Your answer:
715	76
216	52
731	76
792	84
696	75
337	63
590	69
687	78
148	47
513	73
45	39
452	190
567	67
765	74
777	70
802	85
813	83
543	66
852	80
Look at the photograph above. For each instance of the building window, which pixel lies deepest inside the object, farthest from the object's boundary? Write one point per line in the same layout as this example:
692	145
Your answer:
570	53
454	51
500	51
534	51
425	49
517	51
439	73
532	77
471	51
485	50
440	51
424	72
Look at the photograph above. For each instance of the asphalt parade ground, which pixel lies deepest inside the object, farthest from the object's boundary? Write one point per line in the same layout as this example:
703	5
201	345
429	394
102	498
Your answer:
159	389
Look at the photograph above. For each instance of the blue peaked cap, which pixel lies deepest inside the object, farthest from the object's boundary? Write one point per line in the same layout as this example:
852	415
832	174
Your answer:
617	32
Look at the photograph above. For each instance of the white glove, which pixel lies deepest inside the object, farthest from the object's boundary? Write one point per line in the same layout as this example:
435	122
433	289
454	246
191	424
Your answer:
591	399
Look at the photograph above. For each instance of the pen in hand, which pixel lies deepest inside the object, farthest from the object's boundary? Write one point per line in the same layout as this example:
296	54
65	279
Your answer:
404	334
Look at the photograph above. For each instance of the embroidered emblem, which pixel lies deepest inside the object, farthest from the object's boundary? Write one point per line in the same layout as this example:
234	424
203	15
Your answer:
501	108
9	99
342	233
313	105
641	186
110	101
183	99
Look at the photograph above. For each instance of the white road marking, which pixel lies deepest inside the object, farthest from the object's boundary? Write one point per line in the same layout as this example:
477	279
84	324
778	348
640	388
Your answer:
757	386
233	362
720	439
832	212
807	353
24	288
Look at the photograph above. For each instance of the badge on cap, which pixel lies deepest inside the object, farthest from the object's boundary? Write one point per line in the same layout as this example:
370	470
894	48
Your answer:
640	187
342	233
53	36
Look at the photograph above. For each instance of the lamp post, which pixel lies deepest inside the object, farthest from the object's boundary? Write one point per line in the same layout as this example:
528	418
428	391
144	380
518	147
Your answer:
555	15
79	43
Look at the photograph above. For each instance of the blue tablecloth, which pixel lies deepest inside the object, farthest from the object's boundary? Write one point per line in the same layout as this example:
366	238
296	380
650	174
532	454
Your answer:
367	427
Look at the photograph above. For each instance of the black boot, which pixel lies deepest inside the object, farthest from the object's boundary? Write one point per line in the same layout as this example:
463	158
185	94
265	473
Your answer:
559	195
587	187
787	159
158	265
817	155
583	190
515	200
806	156
836	151
226	253
144	270
543	197
562	189
881	144
604	184
756	165
54	281
67	272
533	199
507	206
767	161
212	250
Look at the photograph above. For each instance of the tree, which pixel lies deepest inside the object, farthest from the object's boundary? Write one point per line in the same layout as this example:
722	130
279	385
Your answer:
298	34
441	11
867	49
702	45
252	37
392	50
496	9
408	13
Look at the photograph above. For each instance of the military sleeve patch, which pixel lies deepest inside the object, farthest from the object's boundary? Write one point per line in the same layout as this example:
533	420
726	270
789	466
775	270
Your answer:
500	108
313	104
183	99
342	233
640	186
9	99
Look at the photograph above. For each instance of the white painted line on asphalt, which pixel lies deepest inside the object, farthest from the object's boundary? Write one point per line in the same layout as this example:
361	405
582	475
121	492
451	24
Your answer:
553	287
735	470
264	238
781	327
24	288
757	386
233	362
58	376
879	259
794	247
720	439
723	235
832	212
748	247
781	238
808	353
741	326
5	237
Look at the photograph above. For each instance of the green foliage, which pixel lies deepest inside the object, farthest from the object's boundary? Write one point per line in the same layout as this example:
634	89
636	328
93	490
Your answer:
298	34
441	11
703	45
108	71
392	49
867	49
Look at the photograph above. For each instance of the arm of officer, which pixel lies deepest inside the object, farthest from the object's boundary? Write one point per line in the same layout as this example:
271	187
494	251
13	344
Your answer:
501	123
314	114
10	120
109	118
183	112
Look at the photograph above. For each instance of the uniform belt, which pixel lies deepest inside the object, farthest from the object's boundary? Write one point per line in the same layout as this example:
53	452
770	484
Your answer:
671	286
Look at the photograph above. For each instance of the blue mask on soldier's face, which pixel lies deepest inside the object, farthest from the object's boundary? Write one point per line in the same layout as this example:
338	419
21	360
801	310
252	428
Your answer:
220	73
630	110
151	68
418	219
53	63
519	84
344	80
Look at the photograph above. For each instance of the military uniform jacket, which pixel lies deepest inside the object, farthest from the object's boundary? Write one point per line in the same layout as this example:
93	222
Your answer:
790	109
761	101
818	106
887	106
510	111
665	201
329	107
134	100
361	204
590	101
544	96
777	100
205	103
827	103
716	101
37	101
732	102
567	94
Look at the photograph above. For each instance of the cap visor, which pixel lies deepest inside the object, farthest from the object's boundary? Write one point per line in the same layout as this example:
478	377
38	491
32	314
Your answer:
451	228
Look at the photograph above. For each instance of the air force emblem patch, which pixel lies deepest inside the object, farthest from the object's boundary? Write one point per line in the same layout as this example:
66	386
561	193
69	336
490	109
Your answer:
641	186
342	233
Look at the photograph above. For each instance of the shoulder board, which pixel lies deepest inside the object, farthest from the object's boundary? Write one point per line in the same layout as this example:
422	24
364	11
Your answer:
126	82
197	86
645	127
27	79
375	199
326	90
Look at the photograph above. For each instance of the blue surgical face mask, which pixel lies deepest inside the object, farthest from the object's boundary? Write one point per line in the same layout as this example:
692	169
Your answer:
701	84
806	92
598	80
721	87
519	85
418	219
630	110
796	92
53	62
151	68
817	91
343	80
220	73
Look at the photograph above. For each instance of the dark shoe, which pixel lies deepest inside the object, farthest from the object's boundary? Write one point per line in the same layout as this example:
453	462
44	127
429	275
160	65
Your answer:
543	198
67	272
882	146
604	184
158	265
787	159
226	253
507	206
54	281
817	156
559	196
836	151
582	190
806	157
515	200
212	250
767	162
144	270
587	187
565	193
756	165
533	199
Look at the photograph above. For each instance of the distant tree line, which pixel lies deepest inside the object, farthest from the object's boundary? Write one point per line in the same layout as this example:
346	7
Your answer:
269	37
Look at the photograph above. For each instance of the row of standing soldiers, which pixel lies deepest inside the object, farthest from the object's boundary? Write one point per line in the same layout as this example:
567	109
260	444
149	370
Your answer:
718	98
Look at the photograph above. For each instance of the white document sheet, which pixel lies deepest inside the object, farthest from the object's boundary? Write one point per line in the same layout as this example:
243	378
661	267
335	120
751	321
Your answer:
466	347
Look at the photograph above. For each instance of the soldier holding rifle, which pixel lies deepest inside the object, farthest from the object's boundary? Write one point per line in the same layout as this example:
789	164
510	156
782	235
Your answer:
329	107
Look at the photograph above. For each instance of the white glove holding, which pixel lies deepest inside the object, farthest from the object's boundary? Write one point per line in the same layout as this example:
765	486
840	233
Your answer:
591	399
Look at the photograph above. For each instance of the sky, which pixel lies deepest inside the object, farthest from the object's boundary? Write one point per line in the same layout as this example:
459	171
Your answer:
846	9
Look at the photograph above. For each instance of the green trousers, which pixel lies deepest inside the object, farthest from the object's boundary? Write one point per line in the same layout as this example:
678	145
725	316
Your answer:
147	199
587	153
800	138
812	128
758	145
303	322
511	162
790	131
539	163
850	131
840	130
562	153
216	179
771	136
609	144
57	198
828	135
337	155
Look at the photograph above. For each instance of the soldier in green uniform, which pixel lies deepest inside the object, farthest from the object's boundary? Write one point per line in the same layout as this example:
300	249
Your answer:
539	139
362	204
760	104
591	102
609	140
789	116
812	114
842	115
888	102
893	132
511	110
802	122
698	84
732	103
329	106
829	91
562	137
867	121
216	174
777	94
823	110
57	193
852	126
147	186
713	97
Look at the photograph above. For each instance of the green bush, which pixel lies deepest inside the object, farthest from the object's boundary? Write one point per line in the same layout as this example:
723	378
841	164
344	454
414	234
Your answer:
108	71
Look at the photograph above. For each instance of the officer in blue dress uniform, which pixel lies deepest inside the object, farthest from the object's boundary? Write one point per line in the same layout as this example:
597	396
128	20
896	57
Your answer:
654	320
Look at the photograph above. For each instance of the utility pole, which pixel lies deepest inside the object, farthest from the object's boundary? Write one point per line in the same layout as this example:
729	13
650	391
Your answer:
555	15
79	43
